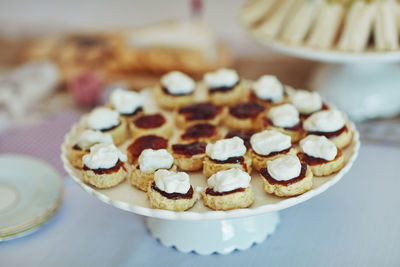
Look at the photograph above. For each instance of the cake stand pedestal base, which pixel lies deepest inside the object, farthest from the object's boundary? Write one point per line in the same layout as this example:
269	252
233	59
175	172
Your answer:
209	236
362	90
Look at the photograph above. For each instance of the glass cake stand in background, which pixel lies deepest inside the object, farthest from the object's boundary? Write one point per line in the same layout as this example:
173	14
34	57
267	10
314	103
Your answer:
364	85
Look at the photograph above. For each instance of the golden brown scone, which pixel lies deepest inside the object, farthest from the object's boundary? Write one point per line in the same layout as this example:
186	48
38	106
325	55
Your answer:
267	103
229	98
169	101
143	180
321	167
158	201
151	124
245	116
107	179
296	133
211	166
343	139
260	161
288	188
189	157
202	132
75	156
229	201
118	133
199	113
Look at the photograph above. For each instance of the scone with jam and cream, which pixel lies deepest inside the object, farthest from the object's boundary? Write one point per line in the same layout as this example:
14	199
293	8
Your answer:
268	91
244	116
171	191
307	102
129	104
204	112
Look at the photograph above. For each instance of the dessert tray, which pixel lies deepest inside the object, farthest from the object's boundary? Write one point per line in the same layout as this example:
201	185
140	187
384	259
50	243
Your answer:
201	229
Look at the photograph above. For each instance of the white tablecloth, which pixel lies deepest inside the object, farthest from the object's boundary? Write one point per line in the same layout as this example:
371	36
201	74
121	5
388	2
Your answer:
355	223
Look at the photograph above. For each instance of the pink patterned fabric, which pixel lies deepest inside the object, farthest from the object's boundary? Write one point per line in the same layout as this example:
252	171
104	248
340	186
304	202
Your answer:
42	140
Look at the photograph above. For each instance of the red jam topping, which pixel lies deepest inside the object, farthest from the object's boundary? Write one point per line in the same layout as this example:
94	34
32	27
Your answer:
305	116
149	121
331	134
139	109
315	161
210	191
200	111
267	122
275	152
246	110
233	160
268	177
111	128
245	135
144	142
107	171
188	195
191	149
166	91
222	89
200	130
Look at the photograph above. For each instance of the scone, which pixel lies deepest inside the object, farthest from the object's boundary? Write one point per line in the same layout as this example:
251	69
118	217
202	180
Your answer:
175	90
156	124
86	140
104	166
244	116
171	191
189	157
244	135
202	132
108	121
199	113
286	176
269	145
321	154
285	119
227	190
307	102
331	124
268	91
224	87
129	104
226	154
150	160
144	142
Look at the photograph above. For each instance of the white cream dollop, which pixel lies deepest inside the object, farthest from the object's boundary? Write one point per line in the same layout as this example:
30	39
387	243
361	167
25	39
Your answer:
177	82
268	87
284	168
306	102
226	148
89	138
172	182
103	156
324	121
221	78
103	118
151	160
284	116
126	102
228	180
319	147
268	141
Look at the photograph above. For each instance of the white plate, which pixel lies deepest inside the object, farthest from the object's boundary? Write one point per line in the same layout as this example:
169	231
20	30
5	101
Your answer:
126	197
30	192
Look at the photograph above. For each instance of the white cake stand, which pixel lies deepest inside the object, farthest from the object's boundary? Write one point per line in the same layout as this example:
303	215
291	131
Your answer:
364	85
201	229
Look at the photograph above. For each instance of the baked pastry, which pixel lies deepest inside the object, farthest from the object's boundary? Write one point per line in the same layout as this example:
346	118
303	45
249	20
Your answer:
224	87
150	160
175	90
284	118
331	124
244	116
202	132
85	141
171	191
321	154
147	124
286	176
307	102
268	91
226	154
144	142
129	104
108	121
269	145
245	135
199	113
227	190
104	166
189	157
